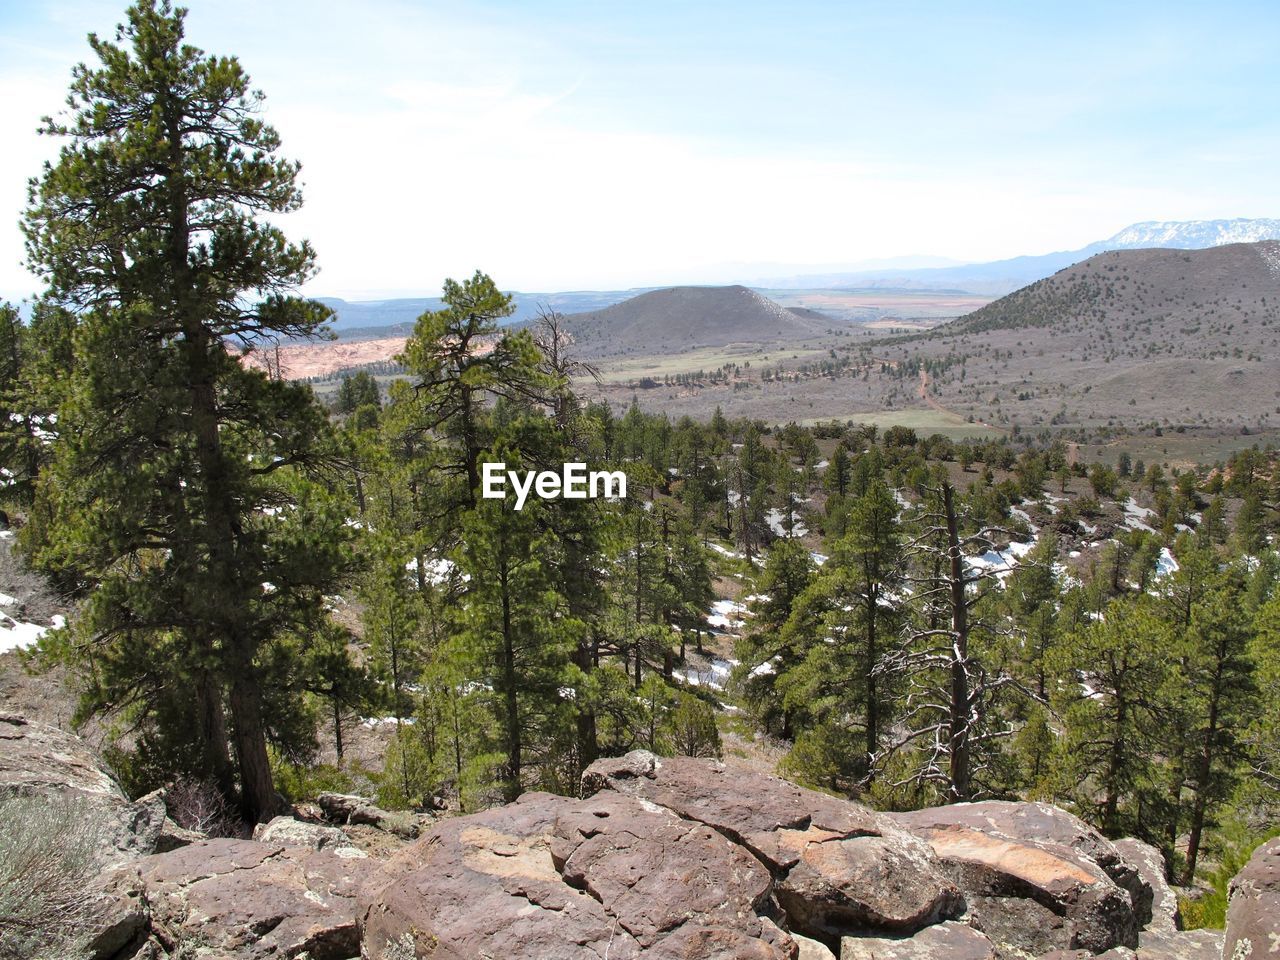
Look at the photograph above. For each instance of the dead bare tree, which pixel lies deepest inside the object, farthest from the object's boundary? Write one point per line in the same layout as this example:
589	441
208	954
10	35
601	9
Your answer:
554	341
951	660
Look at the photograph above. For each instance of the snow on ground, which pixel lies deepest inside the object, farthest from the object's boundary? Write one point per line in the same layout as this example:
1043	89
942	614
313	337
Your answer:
822	465
903	502
727	614
435	571
777	523
818	558
767	668
715	675
1024	517
17	635
1135	516
374	722
1166	564
725	551
1000	562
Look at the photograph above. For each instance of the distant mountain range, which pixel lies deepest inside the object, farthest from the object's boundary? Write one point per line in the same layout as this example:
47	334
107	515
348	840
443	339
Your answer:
1004	276
384	318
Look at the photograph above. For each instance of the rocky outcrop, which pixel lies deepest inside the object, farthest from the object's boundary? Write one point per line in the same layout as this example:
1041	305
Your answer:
1253	912
663	858
235	898
838	865
37	760
1180	945
1162	915
1160	938
1033	876
548	876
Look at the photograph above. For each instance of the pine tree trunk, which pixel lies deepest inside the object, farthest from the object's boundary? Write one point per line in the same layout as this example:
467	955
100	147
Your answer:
511	787
258	799
1204	770
212	722
960	706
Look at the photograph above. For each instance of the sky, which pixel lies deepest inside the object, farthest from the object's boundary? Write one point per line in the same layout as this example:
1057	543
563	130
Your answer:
608	145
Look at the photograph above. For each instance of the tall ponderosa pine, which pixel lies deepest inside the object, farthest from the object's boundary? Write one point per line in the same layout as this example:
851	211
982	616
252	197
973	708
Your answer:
175	490
859	591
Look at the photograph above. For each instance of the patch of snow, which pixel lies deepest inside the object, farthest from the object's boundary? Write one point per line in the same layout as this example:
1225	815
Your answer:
725	551
374	722
1135	516
18	635
818	558
727	614
435	572
768	668
715	675
776	520
6	600
1165	563
1000	562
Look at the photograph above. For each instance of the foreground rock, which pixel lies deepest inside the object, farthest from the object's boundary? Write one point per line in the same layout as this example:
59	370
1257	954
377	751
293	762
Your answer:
665	858
1180	945
1162	915
838	865
235	898
1035	878
37	760
548	876
1253	914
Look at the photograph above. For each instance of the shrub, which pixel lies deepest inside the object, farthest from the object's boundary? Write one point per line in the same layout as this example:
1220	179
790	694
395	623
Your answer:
199	805
1211	909
48	856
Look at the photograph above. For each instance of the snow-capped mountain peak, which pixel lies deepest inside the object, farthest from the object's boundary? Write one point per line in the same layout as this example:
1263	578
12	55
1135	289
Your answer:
1192	234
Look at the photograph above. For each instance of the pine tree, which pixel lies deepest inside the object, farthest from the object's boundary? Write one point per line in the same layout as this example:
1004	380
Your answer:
174	493
1114	673
840	677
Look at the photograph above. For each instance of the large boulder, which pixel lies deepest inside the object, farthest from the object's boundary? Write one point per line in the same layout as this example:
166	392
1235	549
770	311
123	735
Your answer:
1253	912
1148	862
548	876
839	866
345	808
1042	822
313	836
1032	875
37	760
237	898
